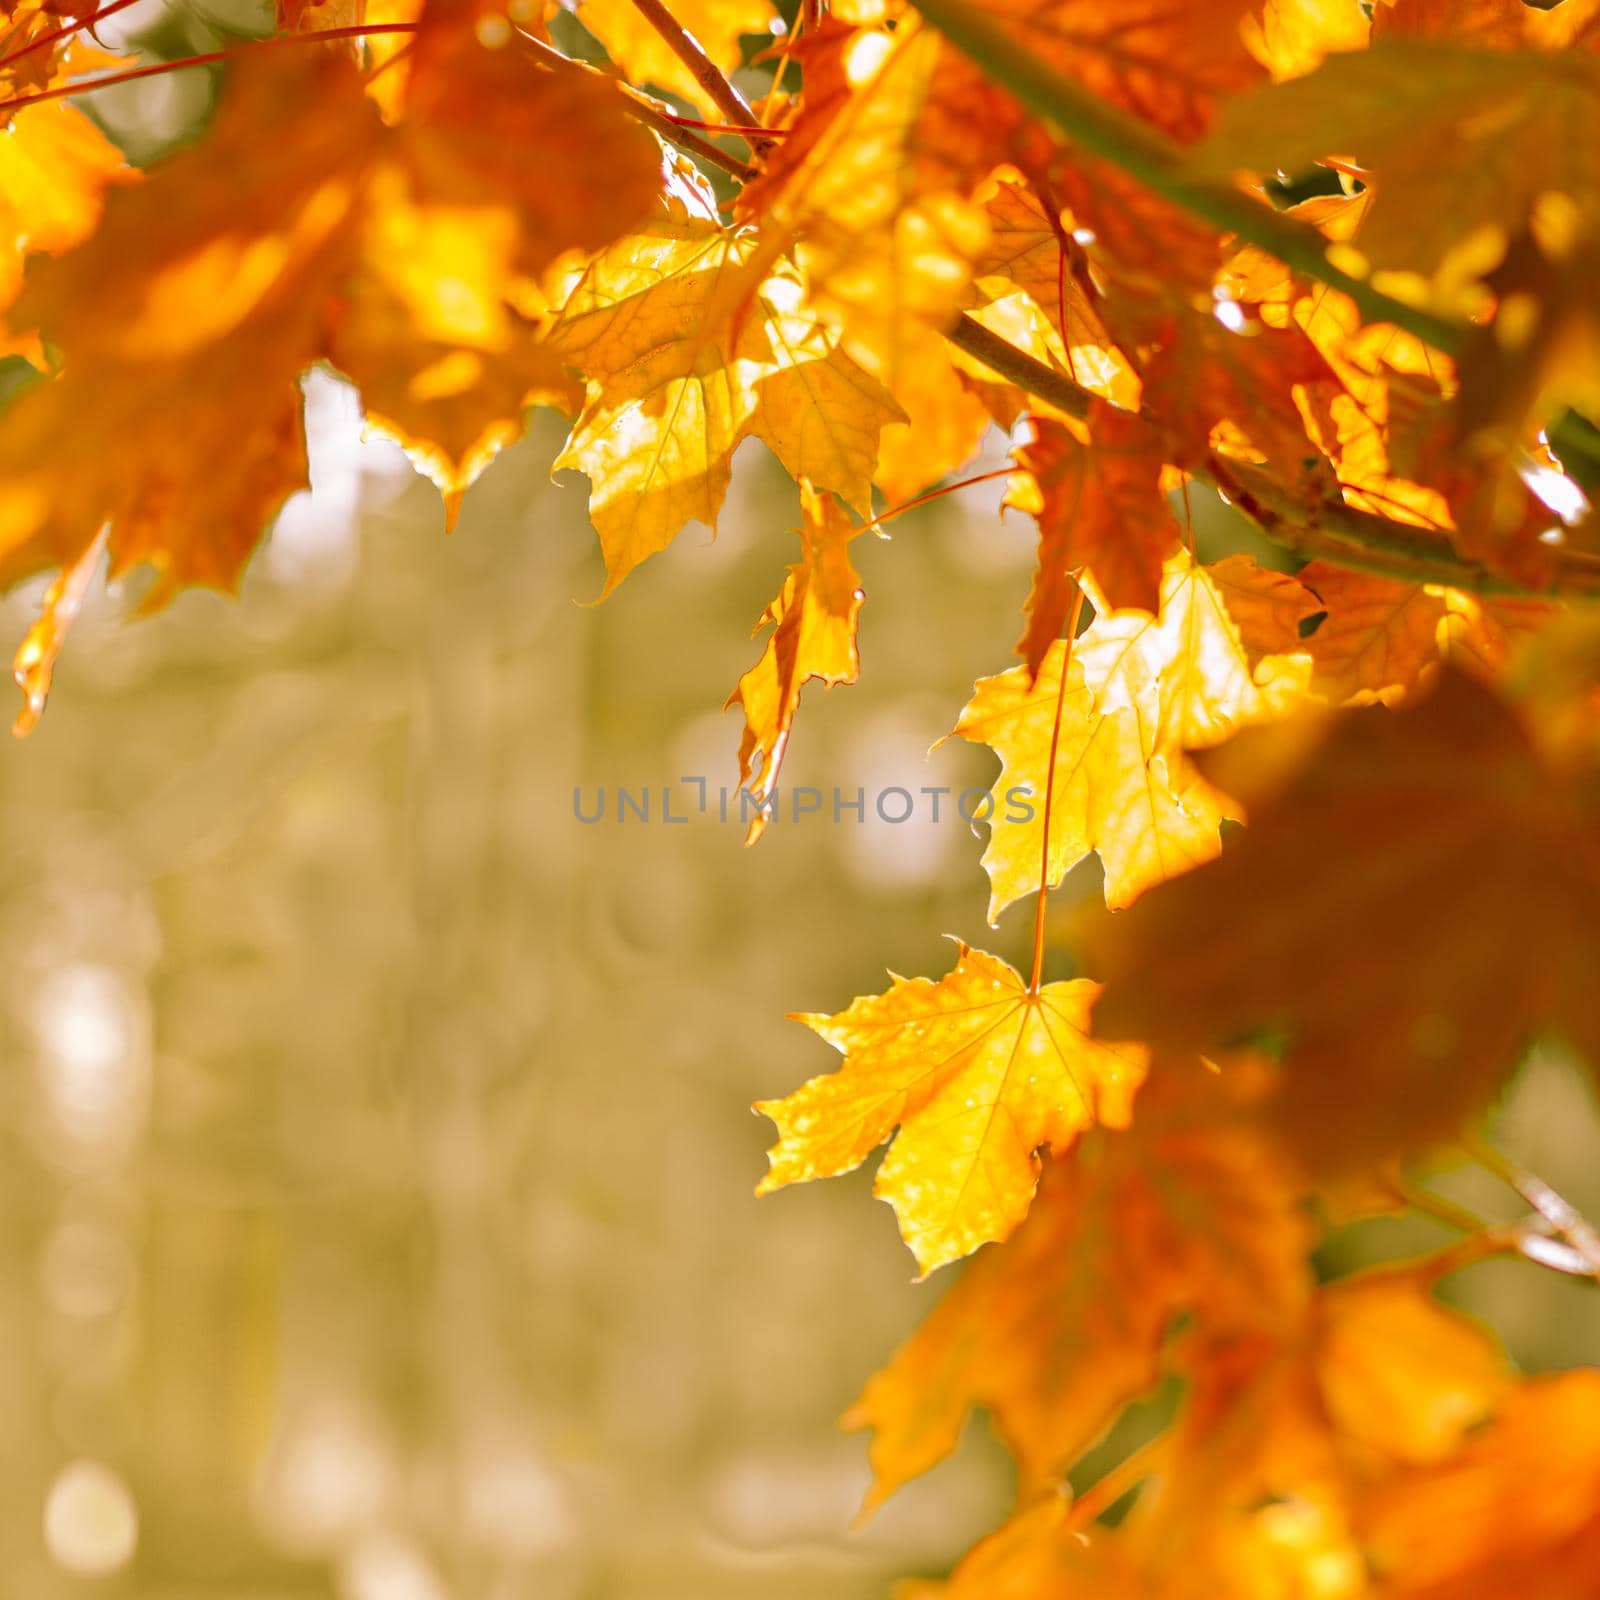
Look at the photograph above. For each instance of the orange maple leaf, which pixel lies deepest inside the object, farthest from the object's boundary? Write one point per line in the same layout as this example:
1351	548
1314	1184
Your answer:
1191	1209
813	619
393	251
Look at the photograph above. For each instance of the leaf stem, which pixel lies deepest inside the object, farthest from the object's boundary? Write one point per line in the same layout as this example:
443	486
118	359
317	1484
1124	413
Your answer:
707	74
1071	634
930	495
728	127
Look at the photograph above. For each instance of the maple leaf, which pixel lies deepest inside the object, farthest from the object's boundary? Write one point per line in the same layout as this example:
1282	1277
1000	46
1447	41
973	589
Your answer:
1163	63
55	167
1293	36
1464	146
1136	237
979	1073
38	52
441	326
686	355
1381	640
1139	692
1515	1511
1041	1551
1489	24
1031	252
1268	608
232	269
644	56
944	421
1443	903
1099	505
1243	392
872	189
1191	1209
1282	1440
206	279
1377	1373
813	618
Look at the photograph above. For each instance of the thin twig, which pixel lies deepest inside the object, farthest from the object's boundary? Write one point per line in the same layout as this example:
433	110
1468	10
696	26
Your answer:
929	495
642	108
1563	1217
1445	1212
729	127
707	74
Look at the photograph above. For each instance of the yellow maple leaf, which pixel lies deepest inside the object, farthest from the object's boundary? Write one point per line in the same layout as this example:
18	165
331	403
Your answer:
1140	691
687	351
813	636
55	166
1293	36
872	189
1147	814
442	321
944	421
1030	252
1187	671
644	57
979	1073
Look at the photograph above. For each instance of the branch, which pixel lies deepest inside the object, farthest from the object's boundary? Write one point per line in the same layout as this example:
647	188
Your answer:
1329	531
686	48
1534	1238
1158	163
1560	1216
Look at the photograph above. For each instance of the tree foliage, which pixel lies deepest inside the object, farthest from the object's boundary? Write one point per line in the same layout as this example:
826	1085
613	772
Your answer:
1335	261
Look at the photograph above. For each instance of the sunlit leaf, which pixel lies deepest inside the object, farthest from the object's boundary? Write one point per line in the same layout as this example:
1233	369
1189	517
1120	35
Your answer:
979	1073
